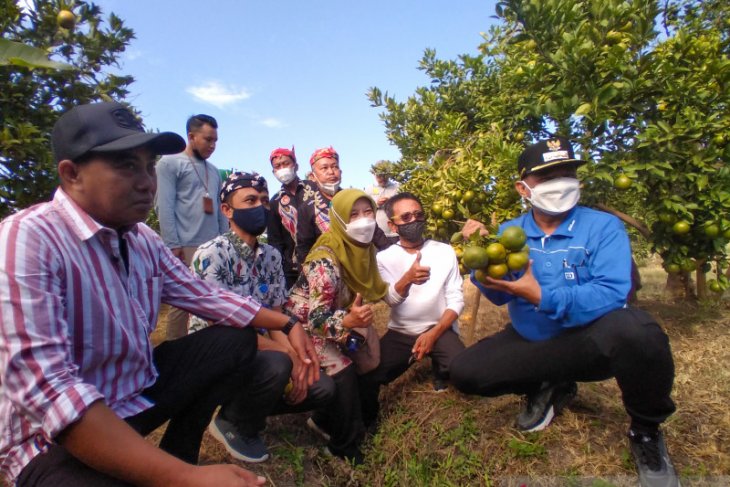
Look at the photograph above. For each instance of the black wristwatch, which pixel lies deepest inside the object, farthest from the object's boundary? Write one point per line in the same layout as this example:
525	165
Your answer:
293	320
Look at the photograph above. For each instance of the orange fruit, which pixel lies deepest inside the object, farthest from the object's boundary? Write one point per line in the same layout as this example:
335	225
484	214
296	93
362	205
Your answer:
496	253
475	257
682	227
447	214
513	238
622	182
516	261
714	286
712	230
497	271
480	275
66	19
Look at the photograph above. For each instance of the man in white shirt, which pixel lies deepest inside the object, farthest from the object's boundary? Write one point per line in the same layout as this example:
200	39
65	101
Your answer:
381	192
424	281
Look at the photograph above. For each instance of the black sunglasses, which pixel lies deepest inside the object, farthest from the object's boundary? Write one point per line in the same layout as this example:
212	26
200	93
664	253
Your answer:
409	216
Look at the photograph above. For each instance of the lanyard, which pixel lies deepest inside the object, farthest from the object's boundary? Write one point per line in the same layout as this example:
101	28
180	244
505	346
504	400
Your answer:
204	183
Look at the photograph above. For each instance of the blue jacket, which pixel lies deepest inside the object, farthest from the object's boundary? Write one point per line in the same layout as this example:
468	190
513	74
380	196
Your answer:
584	271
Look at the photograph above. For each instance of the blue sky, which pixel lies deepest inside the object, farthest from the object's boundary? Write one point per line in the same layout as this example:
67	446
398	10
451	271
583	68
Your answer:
277	73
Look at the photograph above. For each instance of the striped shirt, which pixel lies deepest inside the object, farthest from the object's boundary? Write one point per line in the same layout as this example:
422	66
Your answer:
75	324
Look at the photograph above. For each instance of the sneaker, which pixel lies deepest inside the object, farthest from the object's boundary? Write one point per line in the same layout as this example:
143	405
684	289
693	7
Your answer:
317	429
652	459
246	448
440	385
544	405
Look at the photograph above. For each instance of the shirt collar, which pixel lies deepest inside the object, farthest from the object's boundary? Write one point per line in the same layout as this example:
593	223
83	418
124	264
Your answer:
80	222
565	229
243	249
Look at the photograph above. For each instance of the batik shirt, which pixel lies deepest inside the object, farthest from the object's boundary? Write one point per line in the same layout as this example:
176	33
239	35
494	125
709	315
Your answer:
313	219
318	299
229	262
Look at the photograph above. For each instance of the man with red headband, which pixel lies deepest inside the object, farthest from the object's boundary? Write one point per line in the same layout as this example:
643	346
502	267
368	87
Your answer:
313	216
282	227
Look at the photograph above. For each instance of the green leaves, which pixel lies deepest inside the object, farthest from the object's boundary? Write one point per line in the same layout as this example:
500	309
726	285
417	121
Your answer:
17	54
655	108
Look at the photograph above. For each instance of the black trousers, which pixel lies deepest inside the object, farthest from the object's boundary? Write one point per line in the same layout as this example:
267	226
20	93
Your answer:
395	354
626	344
197	373
262	394
342	419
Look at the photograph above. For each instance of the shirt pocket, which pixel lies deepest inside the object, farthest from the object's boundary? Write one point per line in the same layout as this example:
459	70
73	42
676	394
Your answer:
148	302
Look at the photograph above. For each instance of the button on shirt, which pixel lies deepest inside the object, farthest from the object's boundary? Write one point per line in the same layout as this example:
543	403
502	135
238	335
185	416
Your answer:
584	271
75	324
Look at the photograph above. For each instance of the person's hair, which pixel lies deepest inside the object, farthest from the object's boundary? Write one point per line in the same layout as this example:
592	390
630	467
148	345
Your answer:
405	195
196	122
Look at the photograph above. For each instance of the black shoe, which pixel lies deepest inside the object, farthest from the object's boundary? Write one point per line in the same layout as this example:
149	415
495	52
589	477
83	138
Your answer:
544	405
440	385
652	459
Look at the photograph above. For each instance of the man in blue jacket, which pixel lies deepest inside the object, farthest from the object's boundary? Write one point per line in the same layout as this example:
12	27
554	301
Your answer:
570	321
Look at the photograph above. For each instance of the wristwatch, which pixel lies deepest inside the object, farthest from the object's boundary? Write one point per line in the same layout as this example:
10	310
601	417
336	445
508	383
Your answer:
293	320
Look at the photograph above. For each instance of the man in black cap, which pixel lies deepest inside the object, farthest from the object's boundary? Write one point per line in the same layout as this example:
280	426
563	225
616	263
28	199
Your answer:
81	282
569	313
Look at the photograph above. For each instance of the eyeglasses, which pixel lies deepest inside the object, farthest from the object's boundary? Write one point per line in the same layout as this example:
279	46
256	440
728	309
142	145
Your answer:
409	216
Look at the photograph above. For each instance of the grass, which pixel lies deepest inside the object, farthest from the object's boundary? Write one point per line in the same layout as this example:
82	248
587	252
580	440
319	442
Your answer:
450	439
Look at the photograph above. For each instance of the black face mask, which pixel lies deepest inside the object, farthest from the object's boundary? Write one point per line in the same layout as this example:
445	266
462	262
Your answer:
251	220
412	231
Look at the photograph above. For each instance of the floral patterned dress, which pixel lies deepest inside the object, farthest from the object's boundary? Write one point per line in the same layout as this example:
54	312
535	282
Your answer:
318	299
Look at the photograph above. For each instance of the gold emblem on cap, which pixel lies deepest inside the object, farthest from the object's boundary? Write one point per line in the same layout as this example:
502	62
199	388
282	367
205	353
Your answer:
553	145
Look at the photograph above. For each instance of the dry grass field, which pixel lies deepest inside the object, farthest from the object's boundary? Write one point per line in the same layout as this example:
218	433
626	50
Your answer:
428	438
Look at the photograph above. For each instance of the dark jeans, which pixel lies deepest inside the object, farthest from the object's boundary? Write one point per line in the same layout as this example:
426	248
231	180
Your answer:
262	394
197	373
626	344
395	354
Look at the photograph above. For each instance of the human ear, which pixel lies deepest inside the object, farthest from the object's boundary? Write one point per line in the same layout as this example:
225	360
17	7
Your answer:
68	172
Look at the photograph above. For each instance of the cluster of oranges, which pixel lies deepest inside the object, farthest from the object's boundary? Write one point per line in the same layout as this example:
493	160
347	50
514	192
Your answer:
495	256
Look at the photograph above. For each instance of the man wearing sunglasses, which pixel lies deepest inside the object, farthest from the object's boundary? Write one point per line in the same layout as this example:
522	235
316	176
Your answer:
424	281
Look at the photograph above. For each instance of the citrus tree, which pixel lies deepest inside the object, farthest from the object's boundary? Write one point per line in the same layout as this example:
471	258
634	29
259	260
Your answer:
640	88
33	91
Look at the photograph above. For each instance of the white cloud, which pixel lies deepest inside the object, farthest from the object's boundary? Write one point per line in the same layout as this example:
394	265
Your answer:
132	54
217	94
272	123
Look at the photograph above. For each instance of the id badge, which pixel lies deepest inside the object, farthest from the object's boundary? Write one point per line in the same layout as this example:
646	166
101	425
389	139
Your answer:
207	205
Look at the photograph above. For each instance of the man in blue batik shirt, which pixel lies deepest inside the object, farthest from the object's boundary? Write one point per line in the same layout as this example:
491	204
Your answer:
570	320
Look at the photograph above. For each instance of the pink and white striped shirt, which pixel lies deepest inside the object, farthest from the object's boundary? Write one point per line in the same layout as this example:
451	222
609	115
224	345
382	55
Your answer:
75	325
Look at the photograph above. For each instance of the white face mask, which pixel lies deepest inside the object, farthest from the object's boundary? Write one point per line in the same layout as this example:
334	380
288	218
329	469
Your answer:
329	188
555	196
285	175
361	230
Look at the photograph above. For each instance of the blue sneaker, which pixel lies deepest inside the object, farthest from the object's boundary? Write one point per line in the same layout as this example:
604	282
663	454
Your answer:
245	448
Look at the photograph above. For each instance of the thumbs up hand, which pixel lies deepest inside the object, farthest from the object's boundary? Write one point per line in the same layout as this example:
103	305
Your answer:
418	274
360	315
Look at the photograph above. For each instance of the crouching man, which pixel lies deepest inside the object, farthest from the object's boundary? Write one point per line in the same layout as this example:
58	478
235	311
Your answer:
81	282
570	320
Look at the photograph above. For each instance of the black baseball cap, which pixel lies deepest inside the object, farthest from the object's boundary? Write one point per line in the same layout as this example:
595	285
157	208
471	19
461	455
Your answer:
106	127
546	153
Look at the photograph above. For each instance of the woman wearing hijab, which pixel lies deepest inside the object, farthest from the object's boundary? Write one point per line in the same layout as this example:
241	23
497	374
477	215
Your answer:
339	279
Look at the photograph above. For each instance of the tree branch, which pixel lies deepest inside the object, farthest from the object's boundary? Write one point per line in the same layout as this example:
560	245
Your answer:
629	220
